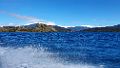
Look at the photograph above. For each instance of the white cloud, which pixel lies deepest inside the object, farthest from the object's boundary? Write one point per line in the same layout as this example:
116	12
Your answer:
32	20
27	19
91	26
66	26
11	24
50	23
88	26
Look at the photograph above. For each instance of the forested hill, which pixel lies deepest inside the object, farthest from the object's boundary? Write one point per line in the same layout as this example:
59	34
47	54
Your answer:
28	28
115	28
39	27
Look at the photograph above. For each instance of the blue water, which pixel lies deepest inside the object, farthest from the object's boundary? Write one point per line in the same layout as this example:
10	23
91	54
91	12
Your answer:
60	50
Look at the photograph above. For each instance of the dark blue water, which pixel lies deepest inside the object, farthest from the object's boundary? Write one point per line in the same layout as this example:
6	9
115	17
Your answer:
75	47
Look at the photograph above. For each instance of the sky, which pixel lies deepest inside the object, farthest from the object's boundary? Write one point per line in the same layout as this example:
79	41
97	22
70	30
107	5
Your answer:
60	12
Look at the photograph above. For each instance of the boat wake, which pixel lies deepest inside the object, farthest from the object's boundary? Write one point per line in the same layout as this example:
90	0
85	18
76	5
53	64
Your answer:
30	57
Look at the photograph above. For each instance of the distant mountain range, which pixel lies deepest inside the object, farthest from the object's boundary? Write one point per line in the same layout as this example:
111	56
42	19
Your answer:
115	28
60	28
78	28
39	27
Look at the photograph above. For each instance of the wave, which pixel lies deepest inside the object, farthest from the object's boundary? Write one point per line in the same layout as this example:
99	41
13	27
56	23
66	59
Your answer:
30	57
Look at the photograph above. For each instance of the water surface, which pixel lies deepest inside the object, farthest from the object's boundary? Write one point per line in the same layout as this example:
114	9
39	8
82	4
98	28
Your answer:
60	50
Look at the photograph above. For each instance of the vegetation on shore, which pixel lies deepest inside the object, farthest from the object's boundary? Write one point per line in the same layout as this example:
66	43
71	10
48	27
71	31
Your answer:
115	28
38	28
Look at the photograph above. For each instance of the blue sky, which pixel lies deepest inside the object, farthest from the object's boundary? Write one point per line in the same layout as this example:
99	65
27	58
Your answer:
60	12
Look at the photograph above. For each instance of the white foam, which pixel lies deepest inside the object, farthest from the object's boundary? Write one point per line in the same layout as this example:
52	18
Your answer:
29	57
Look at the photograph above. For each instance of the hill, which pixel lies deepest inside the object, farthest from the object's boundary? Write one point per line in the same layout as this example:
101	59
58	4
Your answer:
38	27
77	28
115	28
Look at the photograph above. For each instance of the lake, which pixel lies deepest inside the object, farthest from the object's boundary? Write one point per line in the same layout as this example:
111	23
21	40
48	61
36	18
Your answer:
60	50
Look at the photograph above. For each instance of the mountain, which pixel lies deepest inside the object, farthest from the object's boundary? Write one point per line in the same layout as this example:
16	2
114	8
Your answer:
77	28
55	27
115	28
38	27
61	29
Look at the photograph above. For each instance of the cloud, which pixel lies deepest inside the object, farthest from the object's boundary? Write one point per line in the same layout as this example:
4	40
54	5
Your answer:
10	24
91	26
50	23
31	20
66	26
88	26
22	17
27	19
